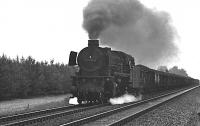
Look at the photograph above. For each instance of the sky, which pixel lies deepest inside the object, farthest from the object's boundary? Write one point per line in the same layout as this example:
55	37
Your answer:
50	29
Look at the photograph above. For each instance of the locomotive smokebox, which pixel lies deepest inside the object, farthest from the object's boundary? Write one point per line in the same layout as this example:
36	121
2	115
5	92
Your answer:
93	43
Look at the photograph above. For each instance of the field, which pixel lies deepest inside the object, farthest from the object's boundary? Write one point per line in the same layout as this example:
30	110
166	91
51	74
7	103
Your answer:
27	105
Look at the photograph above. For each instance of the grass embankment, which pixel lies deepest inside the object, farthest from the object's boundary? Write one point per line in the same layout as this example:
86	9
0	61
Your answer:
28	105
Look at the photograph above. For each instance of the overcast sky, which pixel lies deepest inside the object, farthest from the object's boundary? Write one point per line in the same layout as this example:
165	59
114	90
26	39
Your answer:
49	29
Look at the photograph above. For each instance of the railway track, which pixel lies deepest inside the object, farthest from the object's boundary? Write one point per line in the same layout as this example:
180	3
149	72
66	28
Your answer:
52	114
141	107
42	115
33	113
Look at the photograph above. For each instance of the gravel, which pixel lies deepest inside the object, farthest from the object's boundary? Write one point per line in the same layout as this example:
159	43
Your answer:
181	111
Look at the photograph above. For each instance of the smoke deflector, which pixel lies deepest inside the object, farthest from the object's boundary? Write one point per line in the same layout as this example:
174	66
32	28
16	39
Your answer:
72	58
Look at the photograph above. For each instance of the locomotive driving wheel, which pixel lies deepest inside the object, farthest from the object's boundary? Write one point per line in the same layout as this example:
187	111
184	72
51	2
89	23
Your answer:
79	101
103	98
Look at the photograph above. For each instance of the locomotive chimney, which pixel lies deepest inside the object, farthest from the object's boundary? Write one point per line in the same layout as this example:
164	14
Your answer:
93	43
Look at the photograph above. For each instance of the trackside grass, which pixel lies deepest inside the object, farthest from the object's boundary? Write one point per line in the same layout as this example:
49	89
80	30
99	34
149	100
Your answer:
27	105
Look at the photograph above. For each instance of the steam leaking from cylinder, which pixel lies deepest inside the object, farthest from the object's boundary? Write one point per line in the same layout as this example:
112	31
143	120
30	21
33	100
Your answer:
129	26
73	101
126	98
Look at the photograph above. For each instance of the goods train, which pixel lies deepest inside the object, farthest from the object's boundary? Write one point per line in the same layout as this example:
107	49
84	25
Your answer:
105	73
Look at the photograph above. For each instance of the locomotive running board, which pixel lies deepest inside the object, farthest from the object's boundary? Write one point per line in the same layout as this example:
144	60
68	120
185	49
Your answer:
92	77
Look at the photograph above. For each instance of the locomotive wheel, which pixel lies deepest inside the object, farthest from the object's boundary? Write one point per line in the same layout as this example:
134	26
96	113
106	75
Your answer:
105	100
102	98
79	101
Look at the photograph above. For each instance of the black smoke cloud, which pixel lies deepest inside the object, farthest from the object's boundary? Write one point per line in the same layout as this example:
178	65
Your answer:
129	26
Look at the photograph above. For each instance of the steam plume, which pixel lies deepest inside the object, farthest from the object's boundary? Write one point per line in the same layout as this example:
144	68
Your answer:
129	26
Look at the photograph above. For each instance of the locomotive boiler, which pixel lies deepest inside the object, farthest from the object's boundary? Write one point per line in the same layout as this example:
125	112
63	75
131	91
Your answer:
103	73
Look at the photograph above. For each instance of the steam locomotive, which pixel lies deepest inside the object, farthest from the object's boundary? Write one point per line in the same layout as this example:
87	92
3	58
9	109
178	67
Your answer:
105	73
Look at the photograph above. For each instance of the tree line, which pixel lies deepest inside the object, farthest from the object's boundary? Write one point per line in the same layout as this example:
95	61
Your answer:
26	77
174	70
